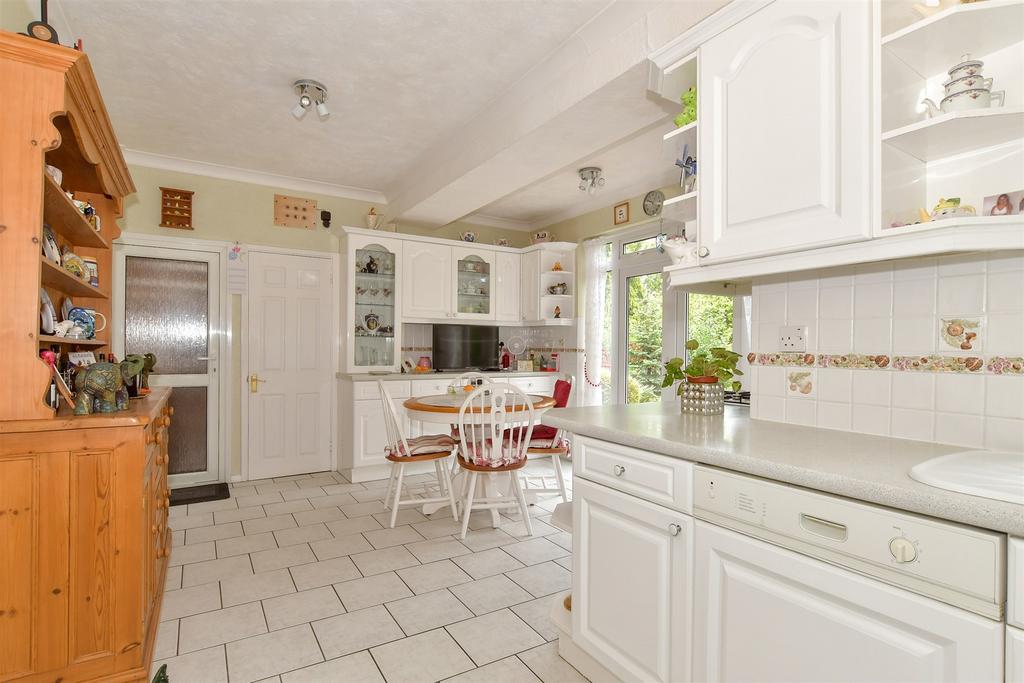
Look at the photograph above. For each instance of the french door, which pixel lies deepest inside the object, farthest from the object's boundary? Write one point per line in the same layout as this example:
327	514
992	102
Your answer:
168	303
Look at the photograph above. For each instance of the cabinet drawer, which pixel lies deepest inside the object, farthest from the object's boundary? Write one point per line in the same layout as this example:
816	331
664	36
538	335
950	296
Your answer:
1015	582
431	387
364	391
657	478
544	386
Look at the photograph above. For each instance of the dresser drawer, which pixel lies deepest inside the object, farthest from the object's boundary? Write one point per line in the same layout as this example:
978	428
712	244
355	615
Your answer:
657	478
365	391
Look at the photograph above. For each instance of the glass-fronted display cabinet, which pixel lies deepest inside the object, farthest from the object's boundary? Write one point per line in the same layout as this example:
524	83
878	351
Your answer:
373	304
474	291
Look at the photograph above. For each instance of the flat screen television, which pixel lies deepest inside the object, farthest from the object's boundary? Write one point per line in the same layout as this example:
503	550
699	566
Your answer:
460	347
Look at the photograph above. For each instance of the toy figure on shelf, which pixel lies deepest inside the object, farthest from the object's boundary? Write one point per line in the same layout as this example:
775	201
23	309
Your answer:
689	113
558	312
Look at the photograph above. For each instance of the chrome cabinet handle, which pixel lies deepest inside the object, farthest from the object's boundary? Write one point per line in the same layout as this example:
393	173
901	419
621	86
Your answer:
703	251
619	470
675	529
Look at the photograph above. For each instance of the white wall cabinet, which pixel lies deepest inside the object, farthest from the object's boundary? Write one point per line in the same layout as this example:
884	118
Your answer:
427	280
473	287
507	284
631	584
762	612
372	303
785	114
530	290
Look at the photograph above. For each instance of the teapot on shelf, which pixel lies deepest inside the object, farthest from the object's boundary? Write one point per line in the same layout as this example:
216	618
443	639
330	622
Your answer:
965	89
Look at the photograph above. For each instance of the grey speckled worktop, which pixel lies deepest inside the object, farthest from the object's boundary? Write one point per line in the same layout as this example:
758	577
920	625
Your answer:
868	468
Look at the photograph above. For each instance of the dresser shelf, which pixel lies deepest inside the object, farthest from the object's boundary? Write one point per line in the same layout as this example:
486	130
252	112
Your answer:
66	220
56	277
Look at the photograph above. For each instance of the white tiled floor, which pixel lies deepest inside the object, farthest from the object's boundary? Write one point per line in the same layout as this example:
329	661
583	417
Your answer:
298	579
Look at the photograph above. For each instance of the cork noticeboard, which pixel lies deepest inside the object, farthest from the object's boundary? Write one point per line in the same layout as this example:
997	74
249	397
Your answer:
295	212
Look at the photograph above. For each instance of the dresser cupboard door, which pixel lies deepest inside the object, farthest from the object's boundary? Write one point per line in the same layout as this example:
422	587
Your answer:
426	280
507	284
34	593
785	128
631	584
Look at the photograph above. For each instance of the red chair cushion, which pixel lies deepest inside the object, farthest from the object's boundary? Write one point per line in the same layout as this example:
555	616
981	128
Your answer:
561	395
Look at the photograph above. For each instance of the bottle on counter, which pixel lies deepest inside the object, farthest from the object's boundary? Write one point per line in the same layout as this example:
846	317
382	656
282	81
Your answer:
504	356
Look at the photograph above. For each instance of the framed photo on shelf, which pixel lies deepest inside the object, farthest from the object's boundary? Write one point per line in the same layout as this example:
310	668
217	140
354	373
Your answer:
620	213
1004	204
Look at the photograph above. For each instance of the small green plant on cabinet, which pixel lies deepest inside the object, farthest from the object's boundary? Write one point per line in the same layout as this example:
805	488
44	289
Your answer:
716	362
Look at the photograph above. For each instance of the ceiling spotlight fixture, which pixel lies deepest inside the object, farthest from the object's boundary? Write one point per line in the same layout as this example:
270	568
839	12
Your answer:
591	179
310	92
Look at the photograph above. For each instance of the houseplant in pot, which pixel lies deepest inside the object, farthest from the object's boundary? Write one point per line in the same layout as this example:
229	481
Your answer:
703	381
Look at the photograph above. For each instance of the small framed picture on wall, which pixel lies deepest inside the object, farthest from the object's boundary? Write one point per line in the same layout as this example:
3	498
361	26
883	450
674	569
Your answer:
621	213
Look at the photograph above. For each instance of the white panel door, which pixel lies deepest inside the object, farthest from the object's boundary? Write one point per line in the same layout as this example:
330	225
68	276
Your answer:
763	613
426	280
507	283
785	130
291	364
631	584
530	309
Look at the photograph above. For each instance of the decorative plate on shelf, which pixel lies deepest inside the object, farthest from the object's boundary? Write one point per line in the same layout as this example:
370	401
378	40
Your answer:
50	250
47	314
65	307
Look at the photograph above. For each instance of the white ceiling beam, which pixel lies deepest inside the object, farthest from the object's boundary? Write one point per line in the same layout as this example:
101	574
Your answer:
588	94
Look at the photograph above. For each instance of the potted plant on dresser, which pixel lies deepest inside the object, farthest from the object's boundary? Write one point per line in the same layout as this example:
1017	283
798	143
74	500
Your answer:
703	381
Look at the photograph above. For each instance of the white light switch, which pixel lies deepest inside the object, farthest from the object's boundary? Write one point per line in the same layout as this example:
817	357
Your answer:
792	338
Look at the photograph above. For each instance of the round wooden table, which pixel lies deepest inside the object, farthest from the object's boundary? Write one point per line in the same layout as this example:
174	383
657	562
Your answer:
443	409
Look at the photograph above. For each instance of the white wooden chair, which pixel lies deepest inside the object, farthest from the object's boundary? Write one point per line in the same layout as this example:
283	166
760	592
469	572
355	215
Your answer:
548	442
495	423
401	451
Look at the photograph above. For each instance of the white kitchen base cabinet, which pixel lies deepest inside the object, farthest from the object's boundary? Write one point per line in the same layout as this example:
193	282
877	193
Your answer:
769	614
786	123
1014	655
631	584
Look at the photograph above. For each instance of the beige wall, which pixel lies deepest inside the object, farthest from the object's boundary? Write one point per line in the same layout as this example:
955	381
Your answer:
600	220
234	211
15	15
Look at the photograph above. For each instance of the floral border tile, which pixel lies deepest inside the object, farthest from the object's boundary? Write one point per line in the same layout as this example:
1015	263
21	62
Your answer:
778	359
853	360
937	363
1006	365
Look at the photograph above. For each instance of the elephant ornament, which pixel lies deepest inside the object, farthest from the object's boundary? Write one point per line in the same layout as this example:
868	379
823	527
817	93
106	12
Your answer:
101	387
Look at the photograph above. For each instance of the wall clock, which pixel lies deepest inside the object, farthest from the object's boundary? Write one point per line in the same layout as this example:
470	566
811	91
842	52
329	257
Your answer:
653	201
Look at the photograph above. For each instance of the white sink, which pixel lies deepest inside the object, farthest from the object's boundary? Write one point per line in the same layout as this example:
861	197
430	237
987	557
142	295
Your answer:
989	474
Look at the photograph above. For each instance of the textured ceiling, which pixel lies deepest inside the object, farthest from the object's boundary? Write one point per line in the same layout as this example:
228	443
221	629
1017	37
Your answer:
211	80
643	162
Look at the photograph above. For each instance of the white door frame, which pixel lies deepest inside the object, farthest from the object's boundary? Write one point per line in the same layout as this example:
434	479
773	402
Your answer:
335	328
220	329
623	267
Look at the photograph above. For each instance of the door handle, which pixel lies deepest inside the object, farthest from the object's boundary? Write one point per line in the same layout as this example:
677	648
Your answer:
254	383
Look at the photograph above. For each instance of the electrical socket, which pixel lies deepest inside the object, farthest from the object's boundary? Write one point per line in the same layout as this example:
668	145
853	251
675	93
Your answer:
793	338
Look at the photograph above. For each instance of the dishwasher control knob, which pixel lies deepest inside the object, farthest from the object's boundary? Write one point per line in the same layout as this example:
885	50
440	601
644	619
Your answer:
902	550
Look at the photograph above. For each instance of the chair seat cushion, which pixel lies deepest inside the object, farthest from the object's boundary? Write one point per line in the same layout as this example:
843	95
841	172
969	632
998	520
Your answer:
428	443
544	432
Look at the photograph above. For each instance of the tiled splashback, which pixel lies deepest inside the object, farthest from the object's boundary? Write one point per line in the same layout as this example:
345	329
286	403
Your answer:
925	349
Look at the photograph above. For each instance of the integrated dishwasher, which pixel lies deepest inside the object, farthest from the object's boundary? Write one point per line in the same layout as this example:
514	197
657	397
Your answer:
794	585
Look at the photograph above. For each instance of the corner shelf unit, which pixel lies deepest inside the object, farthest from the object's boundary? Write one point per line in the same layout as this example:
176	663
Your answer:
970	154
69	123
